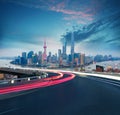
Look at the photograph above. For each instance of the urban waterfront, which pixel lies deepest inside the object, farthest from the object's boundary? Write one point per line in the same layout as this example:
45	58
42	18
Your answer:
60	57
105	64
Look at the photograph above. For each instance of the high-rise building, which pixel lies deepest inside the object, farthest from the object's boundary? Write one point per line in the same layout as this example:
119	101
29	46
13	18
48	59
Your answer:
23	58
24	55
18	60
76	59
72	49
64	55
29	61
59	55
30	54
54	58
29	57
49	57
35	58
40	57
82	59
50	54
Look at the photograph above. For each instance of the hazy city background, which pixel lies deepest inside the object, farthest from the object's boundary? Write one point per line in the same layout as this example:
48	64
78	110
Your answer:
26	24
57	34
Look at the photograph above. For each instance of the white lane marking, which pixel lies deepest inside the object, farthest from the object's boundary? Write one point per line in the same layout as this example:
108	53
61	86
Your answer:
110	77
10	110
99	75
104	81
21	93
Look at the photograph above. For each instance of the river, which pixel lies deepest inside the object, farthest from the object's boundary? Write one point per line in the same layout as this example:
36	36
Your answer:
105	64
114	64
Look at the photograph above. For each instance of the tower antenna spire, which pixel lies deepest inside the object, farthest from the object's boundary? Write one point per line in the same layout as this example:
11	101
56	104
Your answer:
44	54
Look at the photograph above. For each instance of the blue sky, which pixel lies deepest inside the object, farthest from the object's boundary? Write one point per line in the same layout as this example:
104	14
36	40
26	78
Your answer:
25	24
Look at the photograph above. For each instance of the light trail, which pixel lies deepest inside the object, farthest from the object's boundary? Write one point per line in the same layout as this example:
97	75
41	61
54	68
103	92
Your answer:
55	77
105	81
52	80
99	75
14	109
38	84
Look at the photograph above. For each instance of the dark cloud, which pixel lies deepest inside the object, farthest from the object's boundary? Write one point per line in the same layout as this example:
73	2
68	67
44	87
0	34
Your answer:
97	29
98	21
83	33
114	40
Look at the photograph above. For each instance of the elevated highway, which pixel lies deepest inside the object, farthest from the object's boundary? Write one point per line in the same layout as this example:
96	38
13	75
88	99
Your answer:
86	94
20	72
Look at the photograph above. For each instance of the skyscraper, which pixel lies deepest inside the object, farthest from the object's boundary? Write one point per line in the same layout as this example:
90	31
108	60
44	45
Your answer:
29	57
35	58
64	48
24	55
82	59
59	57
30	54
59	54
72	49
24	58
40	57
49	57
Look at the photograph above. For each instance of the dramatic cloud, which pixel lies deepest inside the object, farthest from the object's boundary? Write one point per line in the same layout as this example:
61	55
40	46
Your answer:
103	33
73	11
26	23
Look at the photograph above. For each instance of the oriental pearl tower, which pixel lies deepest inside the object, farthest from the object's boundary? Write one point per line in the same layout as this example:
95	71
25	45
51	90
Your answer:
44	53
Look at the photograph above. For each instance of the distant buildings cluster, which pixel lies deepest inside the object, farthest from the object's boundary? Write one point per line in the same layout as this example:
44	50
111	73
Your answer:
60	59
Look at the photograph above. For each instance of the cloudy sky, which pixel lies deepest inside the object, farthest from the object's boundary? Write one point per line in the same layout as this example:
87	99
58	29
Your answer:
25	24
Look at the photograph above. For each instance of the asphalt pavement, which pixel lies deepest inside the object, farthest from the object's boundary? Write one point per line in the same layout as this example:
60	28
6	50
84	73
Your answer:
80	96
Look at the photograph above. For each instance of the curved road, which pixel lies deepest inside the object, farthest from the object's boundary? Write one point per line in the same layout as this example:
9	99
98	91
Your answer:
79	96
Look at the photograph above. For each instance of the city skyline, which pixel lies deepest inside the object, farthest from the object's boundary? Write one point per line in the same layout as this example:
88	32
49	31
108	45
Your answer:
26	24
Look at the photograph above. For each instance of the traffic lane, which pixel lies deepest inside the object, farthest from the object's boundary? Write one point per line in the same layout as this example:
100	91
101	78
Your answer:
33	83
105	80
80	96
60	78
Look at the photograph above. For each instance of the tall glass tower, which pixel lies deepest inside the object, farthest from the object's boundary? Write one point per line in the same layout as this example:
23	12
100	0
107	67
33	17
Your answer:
64	49
72	49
